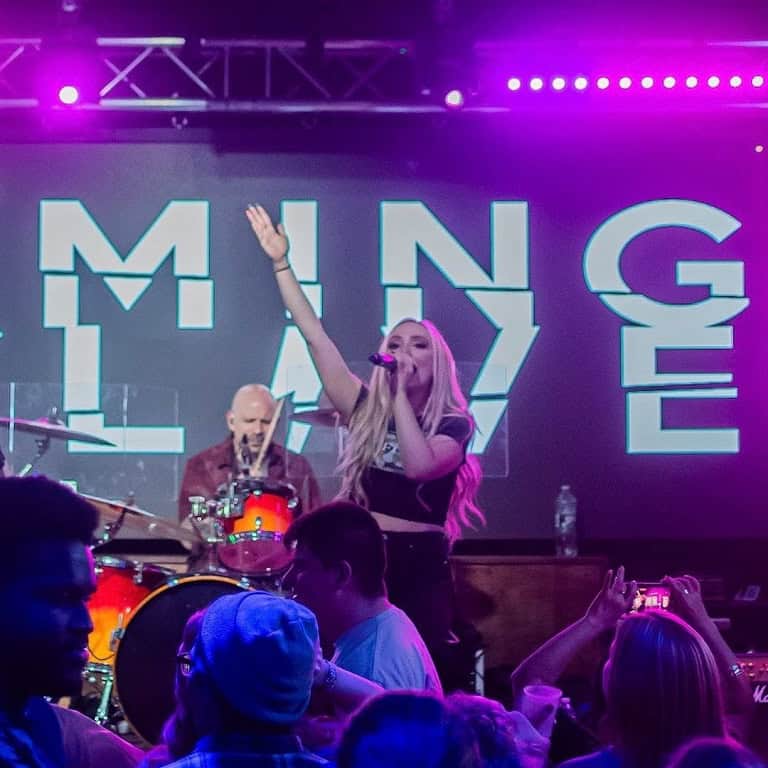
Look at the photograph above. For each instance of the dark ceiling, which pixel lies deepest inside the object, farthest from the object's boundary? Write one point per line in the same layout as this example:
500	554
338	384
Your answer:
514	19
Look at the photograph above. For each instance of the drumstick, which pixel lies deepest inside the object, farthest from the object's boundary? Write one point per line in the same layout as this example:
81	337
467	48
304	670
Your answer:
267	438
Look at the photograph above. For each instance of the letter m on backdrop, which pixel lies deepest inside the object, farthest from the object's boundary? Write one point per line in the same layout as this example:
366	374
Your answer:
68	231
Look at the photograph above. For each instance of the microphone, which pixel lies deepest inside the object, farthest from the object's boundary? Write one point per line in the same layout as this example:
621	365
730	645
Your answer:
245	453
385	361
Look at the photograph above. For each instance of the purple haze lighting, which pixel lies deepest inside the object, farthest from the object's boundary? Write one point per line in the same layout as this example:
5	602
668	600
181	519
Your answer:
735	81
68	94
580	83
514	84
759	148
647	82
536	83
558	83
669	81
625	82
603	83
691	81
713	81
454	99
758	81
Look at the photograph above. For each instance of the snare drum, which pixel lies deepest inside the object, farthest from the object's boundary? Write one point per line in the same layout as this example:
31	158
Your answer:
120	586
254	517
145	663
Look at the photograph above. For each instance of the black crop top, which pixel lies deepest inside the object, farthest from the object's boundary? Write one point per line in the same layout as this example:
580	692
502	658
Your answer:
388	489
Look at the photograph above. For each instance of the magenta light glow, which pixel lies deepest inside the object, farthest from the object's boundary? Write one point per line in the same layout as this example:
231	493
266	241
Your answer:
691	81
603	83
758	81
735	81
536	83
647	82
580	83
68	94
558	83
713	81
625	82
514	84
669	82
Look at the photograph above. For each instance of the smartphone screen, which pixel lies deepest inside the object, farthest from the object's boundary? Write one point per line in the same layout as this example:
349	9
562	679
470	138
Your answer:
651	596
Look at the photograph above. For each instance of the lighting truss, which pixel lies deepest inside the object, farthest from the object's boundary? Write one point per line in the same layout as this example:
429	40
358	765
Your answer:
172	74
176	75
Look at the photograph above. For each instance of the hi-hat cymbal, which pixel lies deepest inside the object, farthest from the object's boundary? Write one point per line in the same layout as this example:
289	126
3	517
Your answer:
52	427
137	519
319	417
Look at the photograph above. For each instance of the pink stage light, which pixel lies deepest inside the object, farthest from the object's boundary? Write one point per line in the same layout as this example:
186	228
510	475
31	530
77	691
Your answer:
647	82
454	99
758	81
580	83
669	81
514	84
713	81
691	81
536	83
759	148
558	83
625	82
735	81
68	94
603	83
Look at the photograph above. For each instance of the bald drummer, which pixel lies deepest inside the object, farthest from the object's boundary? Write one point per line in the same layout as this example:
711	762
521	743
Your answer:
209	472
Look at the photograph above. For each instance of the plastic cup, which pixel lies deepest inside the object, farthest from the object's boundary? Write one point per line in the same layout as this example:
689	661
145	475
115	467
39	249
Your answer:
539	704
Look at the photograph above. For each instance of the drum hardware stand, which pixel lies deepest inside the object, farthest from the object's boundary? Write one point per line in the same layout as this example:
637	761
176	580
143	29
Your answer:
102	711
42	443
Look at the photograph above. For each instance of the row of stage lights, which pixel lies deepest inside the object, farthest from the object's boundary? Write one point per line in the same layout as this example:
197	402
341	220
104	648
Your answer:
625	83
455	98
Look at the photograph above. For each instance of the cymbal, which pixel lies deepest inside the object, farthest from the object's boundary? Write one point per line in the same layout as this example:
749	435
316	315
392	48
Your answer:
319	417
139	520
52	427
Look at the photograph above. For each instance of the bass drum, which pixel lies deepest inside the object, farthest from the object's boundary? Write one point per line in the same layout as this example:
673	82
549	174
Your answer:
145	662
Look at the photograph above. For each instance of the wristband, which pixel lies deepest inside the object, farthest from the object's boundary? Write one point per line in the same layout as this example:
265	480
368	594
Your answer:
329	683
282	269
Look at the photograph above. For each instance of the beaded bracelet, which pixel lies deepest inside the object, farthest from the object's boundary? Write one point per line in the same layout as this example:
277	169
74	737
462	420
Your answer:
330	677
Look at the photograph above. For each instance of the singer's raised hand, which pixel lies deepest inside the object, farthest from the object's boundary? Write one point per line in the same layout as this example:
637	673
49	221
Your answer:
272	239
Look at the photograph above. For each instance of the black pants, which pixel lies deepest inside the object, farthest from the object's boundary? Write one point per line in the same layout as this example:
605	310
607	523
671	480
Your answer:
419	582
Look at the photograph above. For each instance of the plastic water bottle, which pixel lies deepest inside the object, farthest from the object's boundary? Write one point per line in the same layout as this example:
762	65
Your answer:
566	537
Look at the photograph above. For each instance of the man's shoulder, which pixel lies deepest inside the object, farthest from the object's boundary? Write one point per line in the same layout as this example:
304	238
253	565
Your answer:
217	453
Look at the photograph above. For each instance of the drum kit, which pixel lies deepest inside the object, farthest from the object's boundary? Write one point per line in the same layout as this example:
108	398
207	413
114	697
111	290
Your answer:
139	609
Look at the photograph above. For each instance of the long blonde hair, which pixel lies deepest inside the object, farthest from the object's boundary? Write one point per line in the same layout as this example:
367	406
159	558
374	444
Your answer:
662	688
368	430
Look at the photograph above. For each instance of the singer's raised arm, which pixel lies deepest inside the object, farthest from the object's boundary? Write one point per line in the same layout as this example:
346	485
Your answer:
341	386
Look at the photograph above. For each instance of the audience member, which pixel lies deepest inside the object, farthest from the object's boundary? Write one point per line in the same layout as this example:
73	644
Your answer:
46	580
178	733
714	753
338	572
252	669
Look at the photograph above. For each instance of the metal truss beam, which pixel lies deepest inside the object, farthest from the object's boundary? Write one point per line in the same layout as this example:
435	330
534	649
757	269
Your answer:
234	76
211	75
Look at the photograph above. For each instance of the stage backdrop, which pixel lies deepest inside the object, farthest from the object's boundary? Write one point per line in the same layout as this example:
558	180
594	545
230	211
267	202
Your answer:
601	286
